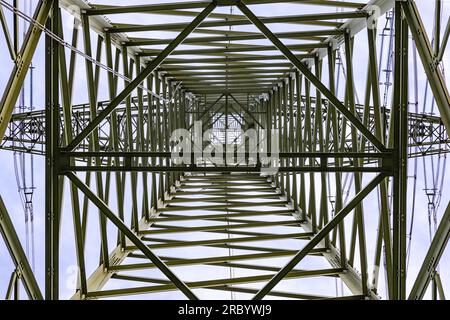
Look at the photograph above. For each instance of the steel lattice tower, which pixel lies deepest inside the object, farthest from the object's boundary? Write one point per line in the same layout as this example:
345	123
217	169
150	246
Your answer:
340	131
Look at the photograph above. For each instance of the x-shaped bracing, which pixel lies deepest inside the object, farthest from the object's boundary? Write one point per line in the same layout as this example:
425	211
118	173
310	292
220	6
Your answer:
269	35
303	69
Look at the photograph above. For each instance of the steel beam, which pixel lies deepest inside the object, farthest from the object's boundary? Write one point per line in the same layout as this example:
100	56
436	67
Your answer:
141	77
52	143
23	269
230	49
22	64
320	19
208	283
312	35
429	61
231	60
7	35
131	236
428	269
107	10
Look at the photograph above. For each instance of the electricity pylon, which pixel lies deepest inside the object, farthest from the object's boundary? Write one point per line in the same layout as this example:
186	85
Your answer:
230	223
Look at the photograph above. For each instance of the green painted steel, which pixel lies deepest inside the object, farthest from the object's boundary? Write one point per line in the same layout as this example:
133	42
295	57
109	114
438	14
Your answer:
213	71
17	253
10	95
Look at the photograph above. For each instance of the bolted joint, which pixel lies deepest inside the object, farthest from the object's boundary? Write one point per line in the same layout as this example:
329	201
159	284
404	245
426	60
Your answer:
222	3
18	271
